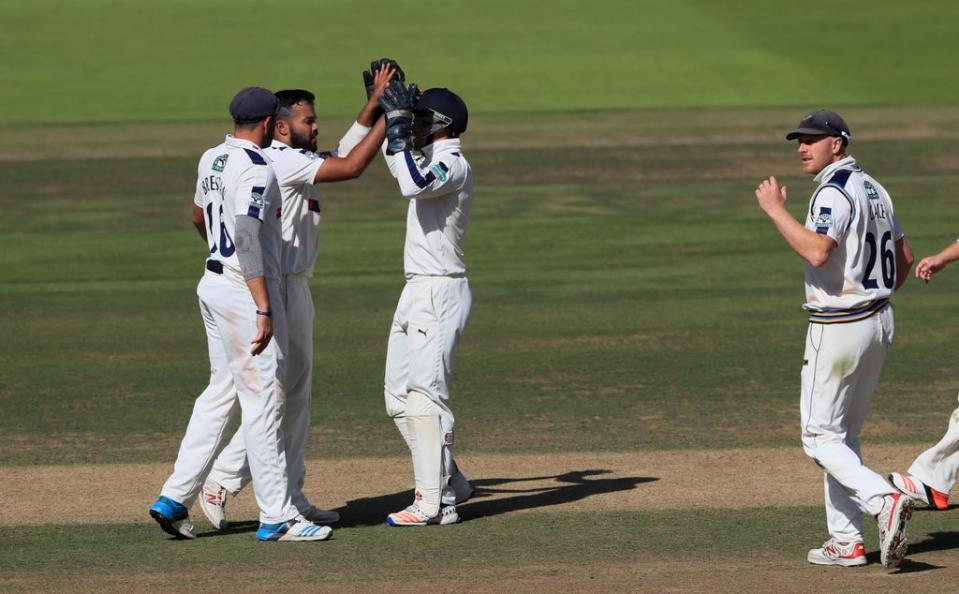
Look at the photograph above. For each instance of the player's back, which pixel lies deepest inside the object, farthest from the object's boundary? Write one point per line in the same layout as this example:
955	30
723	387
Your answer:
234	178
860	272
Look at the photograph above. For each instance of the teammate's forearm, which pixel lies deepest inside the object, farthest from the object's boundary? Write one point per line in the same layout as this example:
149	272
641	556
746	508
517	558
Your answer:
354	164
261	296
812	247
950	254
370	112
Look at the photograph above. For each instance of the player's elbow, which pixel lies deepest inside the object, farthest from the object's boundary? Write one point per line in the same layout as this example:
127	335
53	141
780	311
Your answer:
818	258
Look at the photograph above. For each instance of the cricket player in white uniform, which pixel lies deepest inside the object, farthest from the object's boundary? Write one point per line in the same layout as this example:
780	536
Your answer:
434	308
856	257
236	210
933	474
299	168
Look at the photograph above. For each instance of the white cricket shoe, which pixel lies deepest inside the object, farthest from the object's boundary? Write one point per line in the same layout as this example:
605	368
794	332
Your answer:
843	554
299	529
320	516
893	521
213	503
919	491
414	516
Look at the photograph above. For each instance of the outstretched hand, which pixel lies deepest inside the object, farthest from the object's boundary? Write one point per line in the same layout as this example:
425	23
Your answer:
771	195
370	76
928	266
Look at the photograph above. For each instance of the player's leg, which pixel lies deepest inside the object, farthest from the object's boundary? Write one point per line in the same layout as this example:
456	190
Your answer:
299	378
933	474
397	368
452	304
259	385
834	354
212	412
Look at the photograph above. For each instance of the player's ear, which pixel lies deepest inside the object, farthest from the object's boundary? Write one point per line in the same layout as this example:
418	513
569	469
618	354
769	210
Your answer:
837	146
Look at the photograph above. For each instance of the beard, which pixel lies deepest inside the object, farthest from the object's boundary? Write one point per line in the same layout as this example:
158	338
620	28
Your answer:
302	141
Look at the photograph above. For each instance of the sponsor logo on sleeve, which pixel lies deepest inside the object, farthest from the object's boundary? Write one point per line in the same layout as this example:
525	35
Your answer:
871	191
220	163
823	221
439	171
256	199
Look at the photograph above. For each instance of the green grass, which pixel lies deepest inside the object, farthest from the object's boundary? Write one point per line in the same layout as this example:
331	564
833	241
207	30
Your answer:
775	538
626	297
138	60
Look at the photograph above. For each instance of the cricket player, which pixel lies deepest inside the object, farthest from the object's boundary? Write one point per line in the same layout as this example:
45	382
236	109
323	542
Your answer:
236	210
933	474
425	155
299	169
856	256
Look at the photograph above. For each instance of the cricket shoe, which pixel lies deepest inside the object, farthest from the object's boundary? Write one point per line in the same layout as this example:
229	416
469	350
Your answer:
320	516
299	529
173	518
213	503
461	487
918	490
843	554
893	520
414	516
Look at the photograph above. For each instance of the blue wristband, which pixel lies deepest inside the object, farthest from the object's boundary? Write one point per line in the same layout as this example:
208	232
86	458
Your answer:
268	314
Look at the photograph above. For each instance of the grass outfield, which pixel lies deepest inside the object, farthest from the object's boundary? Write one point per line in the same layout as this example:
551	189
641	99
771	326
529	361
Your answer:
141	60
723	550
627	392
628	296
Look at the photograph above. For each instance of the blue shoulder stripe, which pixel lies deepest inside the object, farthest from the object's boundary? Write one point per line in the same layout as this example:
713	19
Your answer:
256	157
839	180
418	179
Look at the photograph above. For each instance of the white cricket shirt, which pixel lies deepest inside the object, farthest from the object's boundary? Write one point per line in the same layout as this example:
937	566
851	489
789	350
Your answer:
296	171
439	184
857	213
235	178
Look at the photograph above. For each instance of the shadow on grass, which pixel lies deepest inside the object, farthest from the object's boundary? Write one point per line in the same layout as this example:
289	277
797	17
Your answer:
569	487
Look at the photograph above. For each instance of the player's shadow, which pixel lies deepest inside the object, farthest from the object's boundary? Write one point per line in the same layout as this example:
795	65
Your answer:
566	488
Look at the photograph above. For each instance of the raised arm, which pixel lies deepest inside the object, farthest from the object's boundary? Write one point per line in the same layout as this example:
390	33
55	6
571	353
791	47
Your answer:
811	246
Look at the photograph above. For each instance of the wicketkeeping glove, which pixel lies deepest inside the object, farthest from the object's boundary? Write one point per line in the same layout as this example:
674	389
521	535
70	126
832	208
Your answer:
376	65
397	104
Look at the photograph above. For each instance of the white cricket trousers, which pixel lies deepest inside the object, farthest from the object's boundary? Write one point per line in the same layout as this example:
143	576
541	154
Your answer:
841	368
237	378
231	469
938	465
431	316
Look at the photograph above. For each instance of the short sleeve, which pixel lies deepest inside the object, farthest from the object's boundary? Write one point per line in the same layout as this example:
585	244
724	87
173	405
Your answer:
830	213
249	198
296	167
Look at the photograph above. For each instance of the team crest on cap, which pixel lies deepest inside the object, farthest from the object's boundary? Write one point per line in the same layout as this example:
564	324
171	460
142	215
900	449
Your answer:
219	164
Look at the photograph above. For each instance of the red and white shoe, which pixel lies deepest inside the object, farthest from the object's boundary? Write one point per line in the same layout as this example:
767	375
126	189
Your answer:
843	554
918	490
893	520
213	503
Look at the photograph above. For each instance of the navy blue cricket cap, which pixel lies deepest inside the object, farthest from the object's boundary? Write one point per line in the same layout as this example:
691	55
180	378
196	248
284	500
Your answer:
822	123
252	104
